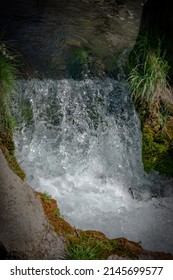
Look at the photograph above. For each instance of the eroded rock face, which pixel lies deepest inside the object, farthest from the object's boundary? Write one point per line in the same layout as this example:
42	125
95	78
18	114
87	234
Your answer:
47	32
25	232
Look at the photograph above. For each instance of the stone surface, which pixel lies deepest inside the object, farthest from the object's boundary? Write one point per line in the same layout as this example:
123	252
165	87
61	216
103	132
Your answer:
47	32
25	231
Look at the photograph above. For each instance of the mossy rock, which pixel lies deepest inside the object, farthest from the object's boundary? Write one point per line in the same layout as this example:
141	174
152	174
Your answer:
157	152
165	163
52	211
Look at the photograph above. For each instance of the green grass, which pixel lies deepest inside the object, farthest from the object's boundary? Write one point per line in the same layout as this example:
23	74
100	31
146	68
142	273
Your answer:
57	214
7	83
46	197
89	249
148	77
148	80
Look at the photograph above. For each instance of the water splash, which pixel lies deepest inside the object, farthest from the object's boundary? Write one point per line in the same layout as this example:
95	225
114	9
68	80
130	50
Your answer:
81	142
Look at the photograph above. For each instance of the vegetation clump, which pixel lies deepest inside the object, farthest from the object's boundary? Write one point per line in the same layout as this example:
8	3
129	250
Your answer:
7	82
149	82
153	98
85	247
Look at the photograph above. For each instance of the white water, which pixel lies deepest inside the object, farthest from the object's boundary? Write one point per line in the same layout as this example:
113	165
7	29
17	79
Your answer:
83	146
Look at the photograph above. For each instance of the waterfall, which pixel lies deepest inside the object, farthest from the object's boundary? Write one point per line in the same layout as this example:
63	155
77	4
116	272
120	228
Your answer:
80	141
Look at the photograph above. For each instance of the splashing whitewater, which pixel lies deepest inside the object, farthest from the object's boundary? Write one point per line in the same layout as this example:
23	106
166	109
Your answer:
81	143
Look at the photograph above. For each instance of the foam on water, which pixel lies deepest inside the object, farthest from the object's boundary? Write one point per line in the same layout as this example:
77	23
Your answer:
81	143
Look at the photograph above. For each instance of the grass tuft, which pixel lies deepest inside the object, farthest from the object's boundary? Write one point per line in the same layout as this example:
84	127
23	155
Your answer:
86	248
46	197
149	80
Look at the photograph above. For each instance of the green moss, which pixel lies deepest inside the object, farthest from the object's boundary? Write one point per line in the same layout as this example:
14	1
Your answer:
87	247
93	245
152	96
165	163
157	152
7	80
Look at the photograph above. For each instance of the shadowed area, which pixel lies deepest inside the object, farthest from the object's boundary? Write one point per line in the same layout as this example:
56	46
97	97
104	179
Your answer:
45	33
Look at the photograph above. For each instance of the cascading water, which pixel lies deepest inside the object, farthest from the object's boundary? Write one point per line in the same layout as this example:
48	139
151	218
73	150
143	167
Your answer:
81	143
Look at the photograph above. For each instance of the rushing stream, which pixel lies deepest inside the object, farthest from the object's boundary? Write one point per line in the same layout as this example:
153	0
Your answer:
81	143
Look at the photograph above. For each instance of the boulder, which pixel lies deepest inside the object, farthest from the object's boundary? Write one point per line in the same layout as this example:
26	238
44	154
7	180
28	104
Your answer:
25	232
48	33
